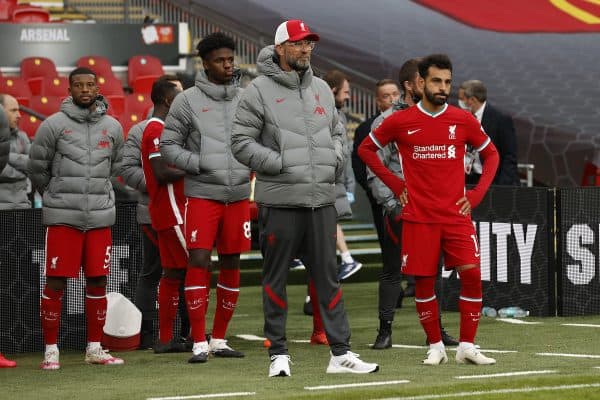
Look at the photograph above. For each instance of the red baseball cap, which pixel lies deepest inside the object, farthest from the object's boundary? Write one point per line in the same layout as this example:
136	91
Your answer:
293	31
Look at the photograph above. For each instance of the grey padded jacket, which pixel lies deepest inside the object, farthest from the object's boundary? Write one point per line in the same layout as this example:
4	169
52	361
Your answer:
4	139
13	179
132	171
196	139
73	156
287	130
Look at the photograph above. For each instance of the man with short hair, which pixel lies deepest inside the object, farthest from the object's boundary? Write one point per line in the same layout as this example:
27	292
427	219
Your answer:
165	189
75	153
472	96
196	139
286	128
431	138
4	155
13	178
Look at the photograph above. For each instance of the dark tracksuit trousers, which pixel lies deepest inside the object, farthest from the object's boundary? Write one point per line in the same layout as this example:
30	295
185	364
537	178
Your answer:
286	233
390	289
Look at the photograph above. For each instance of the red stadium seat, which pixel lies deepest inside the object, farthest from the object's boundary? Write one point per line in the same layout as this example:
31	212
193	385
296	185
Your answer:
100	65
116	104
16	87
6	9
591	175
57	86
27	14
29	124
32	67
138	103
128	119
109	85
46	105
143	84
142	66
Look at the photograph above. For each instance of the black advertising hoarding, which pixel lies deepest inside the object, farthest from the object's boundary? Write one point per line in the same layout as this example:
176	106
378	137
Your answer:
579	251
65	43
22	260
512	224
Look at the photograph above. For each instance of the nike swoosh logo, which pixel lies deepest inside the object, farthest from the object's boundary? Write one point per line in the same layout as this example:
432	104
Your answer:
413	131
279	100
477	255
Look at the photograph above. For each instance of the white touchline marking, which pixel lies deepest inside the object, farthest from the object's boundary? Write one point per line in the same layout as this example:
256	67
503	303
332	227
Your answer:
252	338
569	355
408	346
204	396
519	373
300	341
597	367
240	315
350	385
583	325
517	321
496	391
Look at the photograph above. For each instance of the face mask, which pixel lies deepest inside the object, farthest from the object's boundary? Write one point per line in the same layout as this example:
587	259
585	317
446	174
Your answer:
463	105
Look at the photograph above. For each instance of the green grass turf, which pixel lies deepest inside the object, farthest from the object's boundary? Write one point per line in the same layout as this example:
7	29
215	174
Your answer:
147	375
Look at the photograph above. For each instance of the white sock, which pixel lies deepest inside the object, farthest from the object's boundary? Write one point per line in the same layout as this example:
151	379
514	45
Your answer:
346	257
465	345
93	346
51	347
439	346
307	299
200	347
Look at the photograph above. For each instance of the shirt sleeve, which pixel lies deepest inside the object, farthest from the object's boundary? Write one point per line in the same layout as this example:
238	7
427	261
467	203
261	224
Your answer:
151	140
476	135
385	132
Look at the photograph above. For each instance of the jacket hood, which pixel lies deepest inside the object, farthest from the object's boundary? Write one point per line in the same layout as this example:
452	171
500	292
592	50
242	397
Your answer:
214	91
80	114
267	65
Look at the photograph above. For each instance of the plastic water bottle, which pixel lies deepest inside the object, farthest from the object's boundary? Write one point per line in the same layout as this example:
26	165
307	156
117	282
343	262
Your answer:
512	312
489	312
37	200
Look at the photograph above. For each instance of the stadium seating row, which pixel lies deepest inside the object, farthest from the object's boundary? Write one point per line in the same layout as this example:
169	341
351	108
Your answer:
10	11
41	88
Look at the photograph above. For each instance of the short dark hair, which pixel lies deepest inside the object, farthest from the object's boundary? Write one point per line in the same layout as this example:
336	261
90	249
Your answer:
474	88
80	71
214	41
168	77
441	61
383	82
408	70
335	78
160	90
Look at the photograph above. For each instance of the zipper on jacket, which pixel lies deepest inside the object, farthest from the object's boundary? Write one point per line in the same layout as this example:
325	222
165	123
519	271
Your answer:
89	176
310	150
227	148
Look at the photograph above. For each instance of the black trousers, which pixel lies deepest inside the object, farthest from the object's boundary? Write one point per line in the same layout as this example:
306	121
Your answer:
286	233
389	279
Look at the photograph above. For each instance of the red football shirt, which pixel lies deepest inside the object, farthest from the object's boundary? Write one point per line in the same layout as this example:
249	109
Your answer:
432	150
166	201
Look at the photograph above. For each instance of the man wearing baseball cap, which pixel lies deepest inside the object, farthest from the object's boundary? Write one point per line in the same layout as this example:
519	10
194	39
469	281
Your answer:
287	130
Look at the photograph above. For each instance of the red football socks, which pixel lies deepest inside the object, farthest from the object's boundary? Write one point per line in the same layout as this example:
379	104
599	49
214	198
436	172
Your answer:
427	307
95	309
168	301
228	291
50	308
196	293
469	303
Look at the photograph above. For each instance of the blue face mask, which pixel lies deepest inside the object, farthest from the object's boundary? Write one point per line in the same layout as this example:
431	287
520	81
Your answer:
463	105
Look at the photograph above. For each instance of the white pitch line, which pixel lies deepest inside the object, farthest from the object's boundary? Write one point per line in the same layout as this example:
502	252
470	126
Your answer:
497	391
252	338
597	367
568	355
518	373
204	396
517	321
351	385
583	325
300	341
408	346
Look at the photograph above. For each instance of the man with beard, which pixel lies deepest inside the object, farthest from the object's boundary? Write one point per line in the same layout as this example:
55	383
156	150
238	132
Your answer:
196	140
286	128
431	139
390	291
73	156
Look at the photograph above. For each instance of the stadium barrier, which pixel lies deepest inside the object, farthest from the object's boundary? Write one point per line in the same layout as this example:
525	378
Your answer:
517	234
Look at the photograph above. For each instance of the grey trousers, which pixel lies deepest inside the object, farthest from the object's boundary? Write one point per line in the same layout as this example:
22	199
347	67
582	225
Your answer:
286	233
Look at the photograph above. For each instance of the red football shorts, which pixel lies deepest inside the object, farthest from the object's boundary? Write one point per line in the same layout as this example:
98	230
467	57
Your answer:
171	246
422	243
68	249
209	222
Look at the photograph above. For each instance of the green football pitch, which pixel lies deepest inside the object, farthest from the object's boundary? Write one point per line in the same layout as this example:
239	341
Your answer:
543	358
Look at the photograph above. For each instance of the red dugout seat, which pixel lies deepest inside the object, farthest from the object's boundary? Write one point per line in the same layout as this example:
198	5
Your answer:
33	67
57	86
128	119
109	86
116	104
46	105
100	65
29	124
138	103
6	9
16	87
27	14
143	66
143	84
